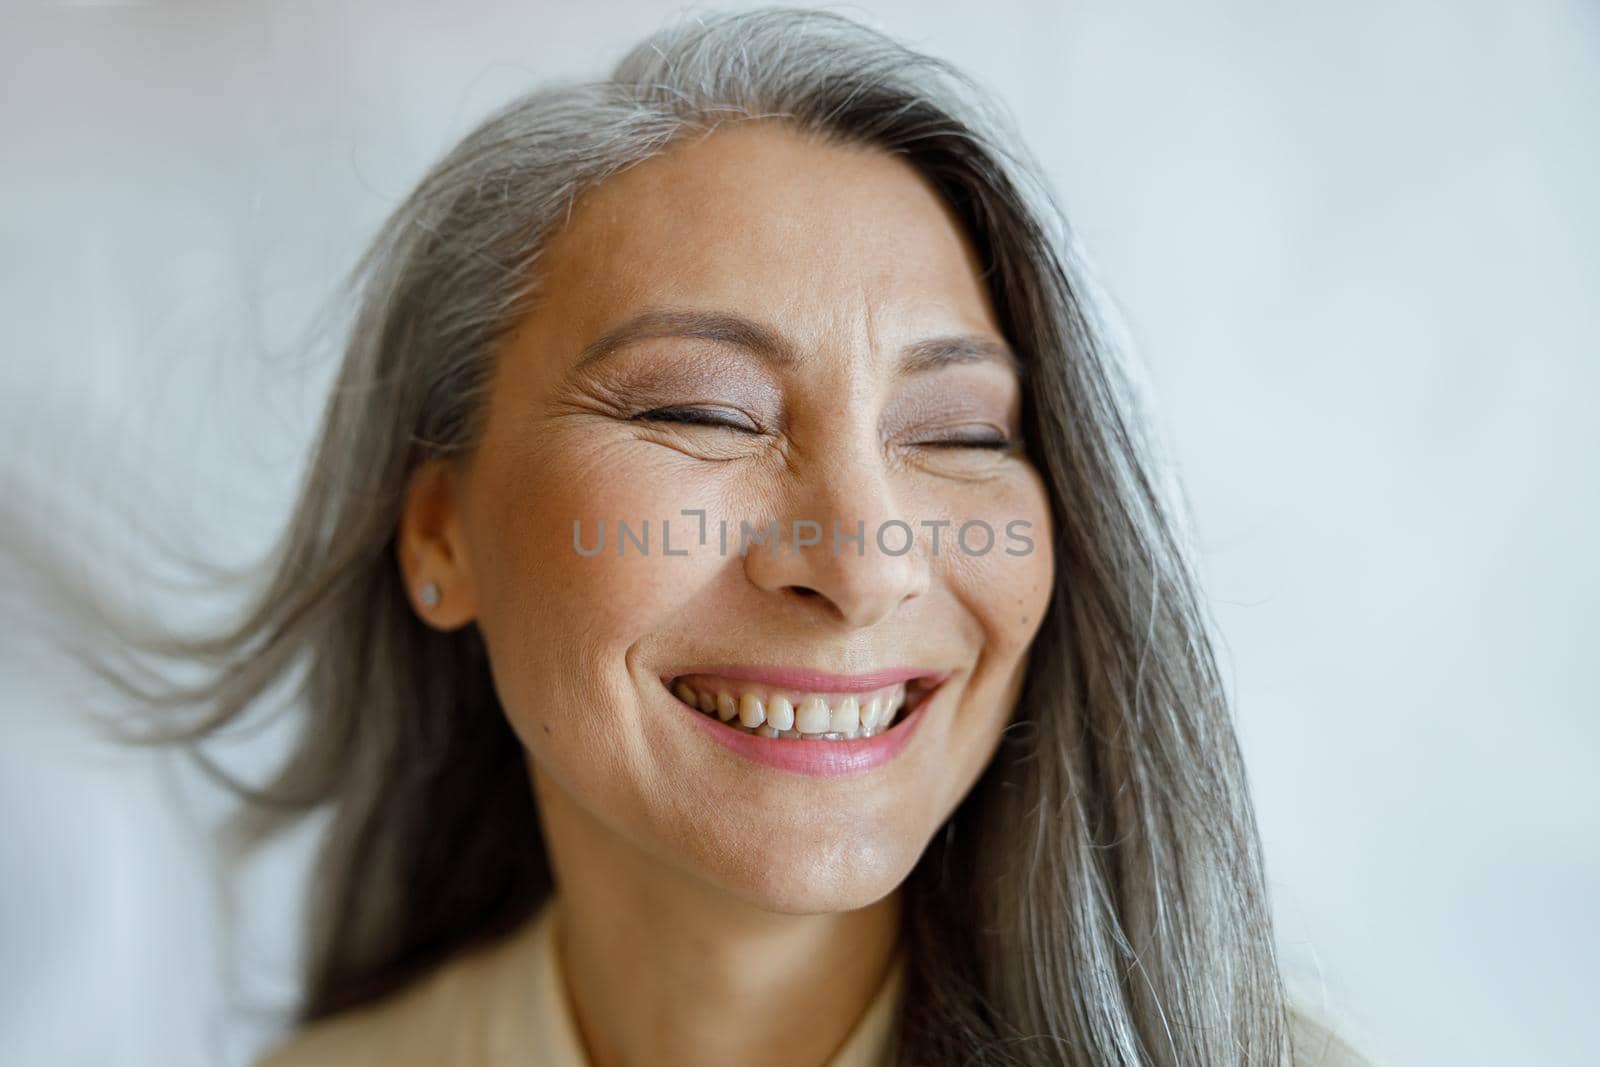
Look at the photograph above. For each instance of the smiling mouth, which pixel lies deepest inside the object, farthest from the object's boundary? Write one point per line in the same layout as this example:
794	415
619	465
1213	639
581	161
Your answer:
774	712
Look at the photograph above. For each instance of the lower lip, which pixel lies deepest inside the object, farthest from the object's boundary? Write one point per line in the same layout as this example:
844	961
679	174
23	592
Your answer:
820	759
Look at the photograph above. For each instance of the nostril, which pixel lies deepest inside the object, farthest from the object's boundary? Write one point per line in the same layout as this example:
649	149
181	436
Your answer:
804	591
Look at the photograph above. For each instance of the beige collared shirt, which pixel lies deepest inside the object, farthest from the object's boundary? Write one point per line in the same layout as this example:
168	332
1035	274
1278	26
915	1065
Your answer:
505	1005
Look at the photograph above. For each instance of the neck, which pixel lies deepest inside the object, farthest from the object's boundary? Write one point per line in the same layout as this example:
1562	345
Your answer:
662	968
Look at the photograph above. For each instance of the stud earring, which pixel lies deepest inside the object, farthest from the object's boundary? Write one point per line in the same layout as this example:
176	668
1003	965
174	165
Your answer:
429	595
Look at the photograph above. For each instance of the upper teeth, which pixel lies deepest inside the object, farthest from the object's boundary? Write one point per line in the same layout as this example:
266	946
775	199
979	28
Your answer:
787	713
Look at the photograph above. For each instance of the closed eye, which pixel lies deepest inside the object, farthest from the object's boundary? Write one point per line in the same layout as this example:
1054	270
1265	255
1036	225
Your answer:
980	438
725	418
997	445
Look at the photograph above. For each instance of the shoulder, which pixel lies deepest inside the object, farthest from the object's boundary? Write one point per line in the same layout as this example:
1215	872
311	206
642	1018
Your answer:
1320	1039
456	1013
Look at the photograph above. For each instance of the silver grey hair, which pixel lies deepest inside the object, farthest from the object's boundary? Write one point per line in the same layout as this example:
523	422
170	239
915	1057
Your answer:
1097	898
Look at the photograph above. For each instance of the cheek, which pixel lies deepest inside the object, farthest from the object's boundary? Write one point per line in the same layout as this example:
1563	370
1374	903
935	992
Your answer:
557	553
557	623
1000	596
1011	585
997	560
1005	592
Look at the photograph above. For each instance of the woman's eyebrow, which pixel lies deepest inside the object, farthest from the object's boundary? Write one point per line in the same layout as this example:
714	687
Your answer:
770	345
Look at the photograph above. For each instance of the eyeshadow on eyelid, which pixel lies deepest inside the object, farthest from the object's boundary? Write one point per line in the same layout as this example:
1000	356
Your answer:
666	375
673	381
941	407
972	401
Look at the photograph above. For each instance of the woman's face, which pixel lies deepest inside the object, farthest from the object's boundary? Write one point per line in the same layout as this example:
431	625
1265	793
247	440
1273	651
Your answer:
729	333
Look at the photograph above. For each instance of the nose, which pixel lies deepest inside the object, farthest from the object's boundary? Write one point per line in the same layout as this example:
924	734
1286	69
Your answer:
843	549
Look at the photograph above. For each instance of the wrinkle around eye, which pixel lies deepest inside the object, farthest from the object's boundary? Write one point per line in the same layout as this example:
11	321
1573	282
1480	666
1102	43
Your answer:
710	443
701	415
980	434
965	462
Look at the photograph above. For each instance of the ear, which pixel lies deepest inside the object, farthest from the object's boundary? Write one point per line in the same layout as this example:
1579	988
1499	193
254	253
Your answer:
432	549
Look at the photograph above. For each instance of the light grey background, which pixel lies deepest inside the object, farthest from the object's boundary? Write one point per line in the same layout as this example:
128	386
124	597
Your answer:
1355	242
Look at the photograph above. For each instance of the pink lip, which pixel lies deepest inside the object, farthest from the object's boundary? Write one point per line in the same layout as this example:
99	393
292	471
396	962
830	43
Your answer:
806	680
822	759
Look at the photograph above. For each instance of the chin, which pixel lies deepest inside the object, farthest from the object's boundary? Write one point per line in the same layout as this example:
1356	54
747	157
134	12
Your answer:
844	873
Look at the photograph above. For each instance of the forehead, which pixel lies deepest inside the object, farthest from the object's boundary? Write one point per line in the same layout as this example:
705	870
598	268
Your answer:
760	218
